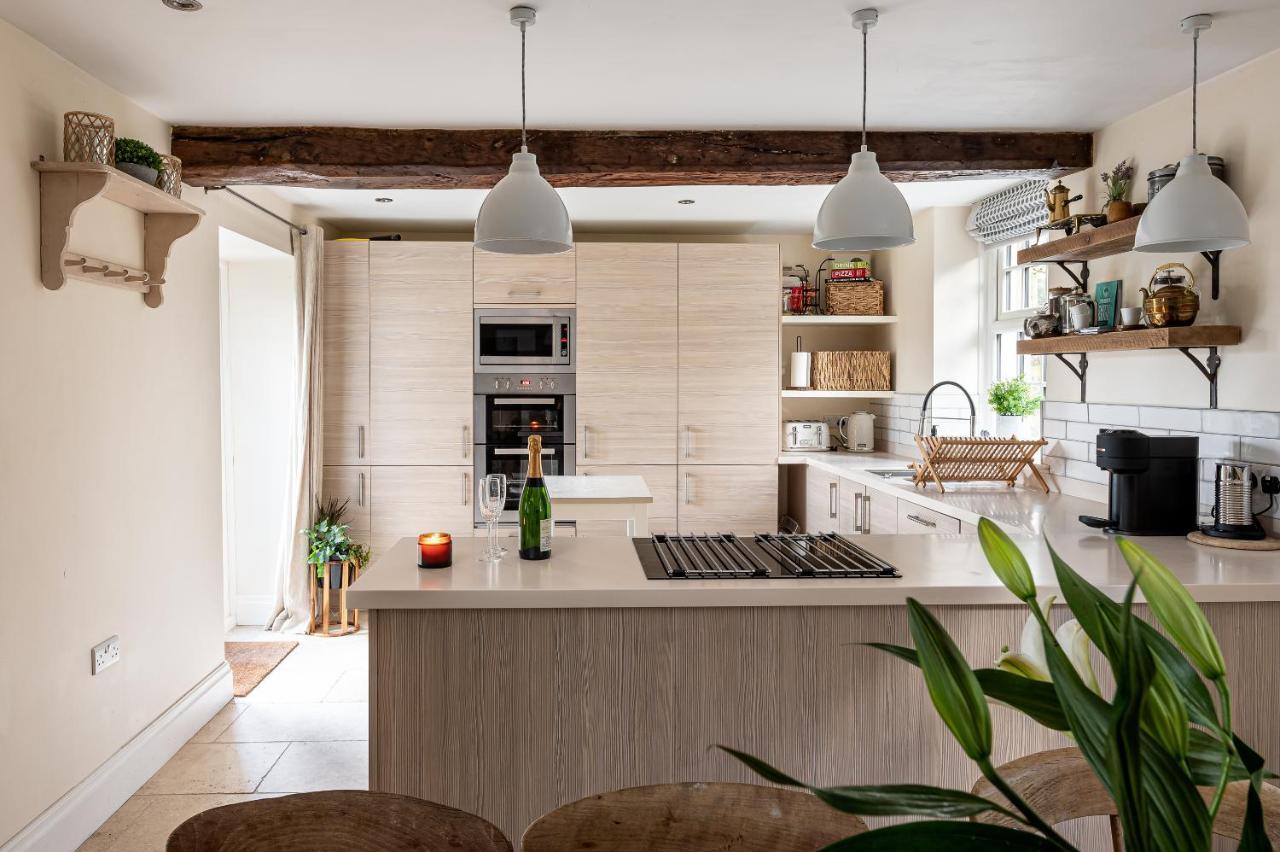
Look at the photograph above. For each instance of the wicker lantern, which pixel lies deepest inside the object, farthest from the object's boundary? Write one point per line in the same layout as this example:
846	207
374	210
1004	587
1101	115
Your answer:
171	175
88	137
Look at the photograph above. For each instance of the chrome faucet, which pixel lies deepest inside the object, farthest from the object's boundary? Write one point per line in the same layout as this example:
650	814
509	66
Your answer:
924	408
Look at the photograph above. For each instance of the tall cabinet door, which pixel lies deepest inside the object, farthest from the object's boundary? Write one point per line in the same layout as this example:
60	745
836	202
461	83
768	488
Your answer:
627	353
421	362
729	396
346	352
737	498
350	483
406	501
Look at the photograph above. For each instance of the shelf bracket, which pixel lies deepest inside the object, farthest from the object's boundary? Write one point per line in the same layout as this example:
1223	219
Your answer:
1214	258
1209	369
1082	280
1082	371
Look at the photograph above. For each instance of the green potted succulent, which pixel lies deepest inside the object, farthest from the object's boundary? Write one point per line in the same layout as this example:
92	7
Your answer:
1161	746
1012	401
139	160
331	544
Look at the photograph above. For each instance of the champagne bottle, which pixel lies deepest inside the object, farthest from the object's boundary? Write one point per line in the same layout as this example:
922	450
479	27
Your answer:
535	508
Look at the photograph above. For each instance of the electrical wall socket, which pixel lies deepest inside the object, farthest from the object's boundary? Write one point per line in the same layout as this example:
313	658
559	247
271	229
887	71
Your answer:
105	653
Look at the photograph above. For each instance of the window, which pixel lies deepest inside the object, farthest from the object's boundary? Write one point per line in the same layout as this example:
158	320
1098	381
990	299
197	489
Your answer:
1013	293
1022	290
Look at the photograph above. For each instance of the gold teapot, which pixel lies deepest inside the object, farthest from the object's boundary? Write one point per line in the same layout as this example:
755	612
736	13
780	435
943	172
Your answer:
1170	301
1058	202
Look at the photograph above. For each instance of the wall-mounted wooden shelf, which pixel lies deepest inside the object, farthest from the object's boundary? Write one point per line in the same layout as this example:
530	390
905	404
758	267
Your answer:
64	187
1183	339
837	320
1090	244
836	394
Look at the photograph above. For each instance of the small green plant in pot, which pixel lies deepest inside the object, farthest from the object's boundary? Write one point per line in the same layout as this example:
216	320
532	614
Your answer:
139	160
1162	748
331	544
1012	400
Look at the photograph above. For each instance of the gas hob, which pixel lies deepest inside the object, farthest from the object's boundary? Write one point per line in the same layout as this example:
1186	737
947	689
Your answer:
764	556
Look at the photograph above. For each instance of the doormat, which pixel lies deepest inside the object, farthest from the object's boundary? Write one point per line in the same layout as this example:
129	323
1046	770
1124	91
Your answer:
252	661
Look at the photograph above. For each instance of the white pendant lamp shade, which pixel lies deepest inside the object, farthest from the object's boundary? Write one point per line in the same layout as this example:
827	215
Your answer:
1194	212
523	214
864	211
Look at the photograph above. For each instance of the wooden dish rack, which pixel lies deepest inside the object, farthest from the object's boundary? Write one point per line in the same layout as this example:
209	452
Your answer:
951	459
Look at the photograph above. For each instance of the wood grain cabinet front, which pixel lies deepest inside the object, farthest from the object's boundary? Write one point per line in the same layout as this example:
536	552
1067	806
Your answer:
421	353
349	483
865	509
525	279
737	498
346	352
825	502
406	501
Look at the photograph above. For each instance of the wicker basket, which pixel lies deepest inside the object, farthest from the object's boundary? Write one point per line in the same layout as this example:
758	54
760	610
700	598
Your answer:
171	175
851	371
88	138
855	298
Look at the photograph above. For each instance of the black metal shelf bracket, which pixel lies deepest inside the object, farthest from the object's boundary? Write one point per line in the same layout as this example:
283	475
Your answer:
1079	372
1214	258
1082	280
1208	368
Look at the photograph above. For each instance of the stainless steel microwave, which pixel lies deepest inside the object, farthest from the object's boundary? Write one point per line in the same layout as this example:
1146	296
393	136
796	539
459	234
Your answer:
541	338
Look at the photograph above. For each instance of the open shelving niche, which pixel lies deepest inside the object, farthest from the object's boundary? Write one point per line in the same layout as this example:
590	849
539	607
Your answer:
65	187
835	320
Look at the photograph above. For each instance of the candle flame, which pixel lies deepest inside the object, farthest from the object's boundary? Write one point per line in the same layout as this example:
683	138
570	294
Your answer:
434	538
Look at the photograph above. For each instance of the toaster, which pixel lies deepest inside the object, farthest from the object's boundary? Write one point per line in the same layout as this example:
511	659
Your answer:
806	435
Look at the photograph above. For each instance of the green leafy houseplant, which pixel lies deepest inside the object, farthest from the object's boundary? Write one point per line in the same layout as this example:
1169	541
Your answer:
1013	398
328	537
138	153
1152	744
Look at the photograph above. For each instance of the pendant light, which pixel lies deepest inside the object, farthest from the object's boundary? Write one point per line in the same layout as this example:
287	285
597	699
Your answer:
864	211
523	214
1195	211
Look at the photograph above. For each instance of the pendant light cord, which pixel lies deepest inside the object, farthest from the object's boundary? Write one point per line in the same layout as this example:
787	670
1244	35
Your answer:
864	87
1195	82
524	135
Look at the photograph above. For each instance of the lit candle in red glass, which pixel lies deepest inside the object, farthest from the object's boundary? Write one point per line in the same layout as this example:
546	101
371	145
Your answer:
435	550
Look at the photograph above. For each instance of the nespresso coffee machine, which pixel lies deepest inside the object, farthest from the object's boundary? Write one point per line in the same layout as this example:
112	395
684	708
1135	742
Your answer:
1154	483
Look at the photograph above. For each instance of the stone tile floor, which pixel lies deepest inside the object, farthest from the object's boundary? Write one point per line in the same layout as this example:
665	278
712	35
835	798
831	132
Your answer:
305	727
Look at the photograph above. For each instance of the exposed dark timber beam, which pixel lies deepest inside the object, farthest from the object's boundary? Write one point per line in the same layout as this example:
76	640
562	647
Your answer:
370	158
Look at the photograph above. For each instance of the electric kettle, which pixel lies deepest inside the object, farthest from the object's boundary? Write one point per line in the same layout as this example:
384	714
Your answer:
858	431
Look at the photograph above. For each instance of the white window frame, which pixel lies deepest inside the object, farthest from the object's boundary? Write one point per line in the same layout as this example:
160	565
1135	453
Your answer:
997	321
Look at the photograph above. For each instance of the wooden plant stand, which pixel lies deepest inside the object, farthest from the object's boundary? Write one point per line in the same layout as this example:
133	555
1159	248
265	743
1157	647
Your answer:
948	459
321	605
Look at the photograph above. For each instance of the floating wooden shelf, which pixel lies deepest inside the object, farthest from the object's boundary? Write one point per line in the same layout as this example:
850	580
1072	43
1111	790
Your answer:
1090	244
836	394
1183	339
837	320
64	187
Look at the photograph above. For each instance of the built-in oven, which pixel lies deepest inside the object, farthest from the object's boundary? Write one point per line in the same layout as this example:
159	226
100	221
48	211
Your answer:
509	408
508	339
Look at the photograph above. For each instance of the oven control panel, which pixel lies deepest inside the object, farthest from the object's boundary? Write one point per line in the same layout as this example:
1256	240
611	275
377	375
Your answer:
525	383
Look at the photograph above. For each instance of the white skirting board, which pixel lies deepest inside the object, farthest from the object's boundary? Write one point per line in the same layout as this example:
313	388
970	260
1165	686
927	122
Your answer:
68	822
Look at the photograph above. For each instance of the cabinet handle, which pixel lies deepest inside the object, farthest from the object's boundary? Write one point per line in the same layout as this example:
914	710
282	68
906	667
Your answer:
360	491
687	445
687	498
586	445
533	293
833	499
866	514
360	441
466	441
466	489
921	521
857	512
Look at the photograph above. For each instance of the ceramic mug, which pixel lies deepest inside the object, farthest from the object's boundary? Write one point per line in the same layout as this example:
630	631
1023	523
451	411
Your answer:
1130	316
1081	316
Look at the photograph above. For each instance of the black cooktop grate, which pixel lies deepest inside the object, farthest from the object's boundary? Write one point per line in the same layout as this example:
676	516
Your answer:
725	556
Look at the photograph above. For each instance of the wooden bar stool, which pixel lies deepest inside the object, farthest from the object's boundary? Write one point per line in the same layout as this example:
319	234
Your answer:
336	821
1060	785
322	607
710	817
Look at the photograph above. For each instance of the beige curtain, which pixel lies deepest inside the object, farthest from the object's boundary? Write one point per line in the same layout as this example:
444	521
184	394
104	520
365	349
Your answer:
292	604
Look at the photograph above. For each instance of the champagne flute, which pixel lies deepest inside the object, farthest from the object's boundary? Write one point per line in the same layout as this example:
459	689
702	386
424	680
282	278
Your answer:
493	499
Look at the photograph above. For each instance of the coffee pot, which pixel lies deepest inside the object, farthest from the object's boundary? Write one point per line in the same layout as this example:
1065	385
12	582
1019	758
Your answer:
1058	201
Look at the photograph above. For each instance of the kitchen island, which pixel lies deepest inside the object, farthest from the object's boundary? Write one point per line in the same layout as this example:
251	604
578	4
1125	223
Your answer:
510	689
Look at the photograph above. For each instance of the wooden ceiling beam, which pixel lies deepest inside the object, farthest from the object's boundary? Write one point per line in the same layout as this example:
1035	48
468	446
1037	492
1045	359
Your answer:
372	158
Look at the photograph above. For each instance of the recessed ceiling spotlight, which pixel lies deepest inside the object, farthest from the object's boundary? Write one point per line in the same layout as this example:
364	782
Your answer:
384	200
685	201
184	5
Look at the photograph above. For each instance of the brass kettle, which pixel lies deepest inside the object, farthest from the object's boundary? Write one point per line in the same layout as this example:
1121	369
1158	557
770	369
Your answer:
1171	301
1058	202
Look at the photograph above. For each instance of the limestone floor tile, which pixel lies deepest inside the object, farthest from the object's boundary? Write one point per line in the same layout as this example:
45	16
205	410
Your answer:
219	722
215	768
299	723
352	686
306	767
157	818
116	825
295	683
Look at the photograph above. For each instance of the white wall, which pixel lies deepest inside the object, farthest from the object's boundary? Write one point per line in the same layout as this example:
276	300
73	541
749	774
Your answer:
260	340
109	455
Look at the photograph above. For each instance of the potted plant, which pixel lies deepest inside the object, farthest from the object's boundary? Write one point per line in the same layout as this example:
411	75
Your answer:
1160	745
330	543
1117	183
1012	401
139	160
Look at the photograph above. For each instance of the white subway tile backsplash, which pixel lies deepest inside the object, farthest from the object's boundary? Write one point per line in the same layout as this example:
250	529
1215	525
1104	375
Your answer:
1084	431
1124	415
1065	410
1215	446
1055	428
1078	450
1087	471
1259	424
1260	450
1171	418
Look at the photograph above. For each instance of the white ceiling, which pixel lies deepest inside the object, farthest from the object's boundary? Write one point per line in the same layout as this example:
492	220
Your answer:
638	64
716	209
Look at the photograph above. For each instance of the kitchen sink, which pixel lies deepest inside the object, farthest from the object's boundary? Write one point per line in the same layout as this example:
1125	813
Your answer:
894	473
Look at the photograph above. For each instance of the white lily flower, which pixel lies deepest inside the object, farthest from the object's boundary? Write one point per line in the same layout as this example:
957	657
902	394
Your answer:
1030	661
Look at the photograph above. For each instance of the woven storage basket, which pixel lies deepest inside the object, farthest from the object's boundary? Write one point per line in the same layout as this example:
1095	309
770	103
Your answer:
851	371
855	298
88	137
170	179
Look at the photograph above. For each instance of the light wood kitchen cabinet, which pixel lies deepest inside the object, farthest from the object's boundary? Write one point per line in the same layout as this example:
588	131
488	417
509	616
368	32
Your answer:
661	479
421	353
349	483
346	351
824	502
627	353
406	501
735	498
866	509
728	379
914	519
525	279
